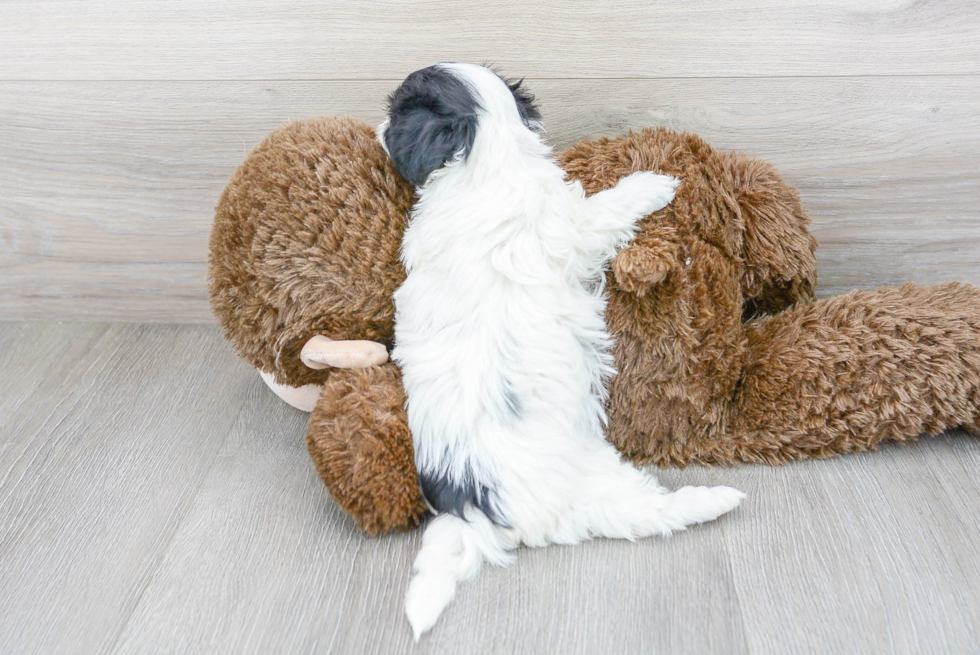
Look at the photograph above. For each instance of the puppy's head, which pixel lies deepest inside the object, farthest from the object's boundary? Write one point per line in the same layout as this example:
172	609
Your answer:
435	115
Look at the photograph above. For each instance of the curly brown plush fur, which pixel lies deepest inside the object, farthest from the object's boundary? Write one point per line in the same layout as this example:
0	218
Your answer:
359	440
305	242
699	383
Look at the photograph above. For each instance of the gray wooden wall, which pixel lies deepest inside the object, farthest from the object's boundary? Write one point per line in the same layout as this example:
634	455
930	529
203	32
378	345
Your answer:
120	121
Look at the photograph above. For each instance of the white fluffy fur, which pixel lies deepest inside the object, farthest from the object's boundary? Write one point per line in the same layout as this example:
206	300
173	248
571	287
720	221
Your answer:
505	263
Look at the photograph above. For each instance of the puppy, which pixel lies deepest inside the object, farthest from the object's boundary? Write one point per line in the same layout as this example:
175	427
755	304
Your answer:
501	338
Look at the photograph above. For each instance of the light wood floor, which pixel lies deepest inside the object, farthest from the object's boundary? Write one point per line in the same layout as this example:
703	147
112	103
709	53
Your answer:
155	497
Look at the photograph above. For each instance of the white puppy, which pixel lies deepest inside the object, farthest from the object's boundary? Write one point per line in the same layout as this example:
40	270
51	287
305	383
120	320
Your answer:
500	335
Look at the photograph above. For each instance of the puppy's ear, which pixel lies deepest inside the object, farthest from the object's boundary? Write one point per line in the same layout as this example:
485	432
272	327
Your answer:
529	111
421	139
524	99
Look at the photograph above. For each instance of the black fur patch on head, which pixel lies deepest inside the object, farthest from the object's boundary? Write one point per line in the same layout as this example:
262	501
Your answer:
449	496
432	118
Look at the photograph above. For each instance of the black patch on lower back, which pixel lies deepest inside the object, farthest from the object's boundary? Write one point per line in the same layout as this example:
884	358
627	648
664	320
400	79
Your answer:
449	496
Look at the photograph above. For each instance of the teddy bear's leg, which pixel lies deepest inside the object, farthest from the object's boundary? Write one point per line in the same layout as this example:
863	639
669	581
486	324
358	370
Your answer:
845	374
780	268
359	440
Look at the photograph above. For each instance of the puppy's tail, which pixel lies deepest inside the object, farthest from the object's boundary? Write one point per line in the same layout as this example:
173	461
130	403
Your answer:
453	549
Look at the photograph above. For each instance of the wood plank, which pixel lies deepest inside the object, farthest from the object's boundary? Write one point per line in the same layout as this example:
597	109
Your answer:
28	352
107	189
155	496
97	469
865	553
334	39
265	561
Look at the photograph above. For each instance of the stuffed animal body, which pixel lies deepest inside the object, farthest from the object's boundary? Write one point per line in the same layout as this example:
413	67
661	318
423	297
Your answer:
722	353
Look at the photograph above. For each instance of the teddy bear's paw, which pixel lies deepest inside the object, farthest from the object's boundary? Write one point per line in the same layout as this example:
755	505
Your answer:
646	262
638	270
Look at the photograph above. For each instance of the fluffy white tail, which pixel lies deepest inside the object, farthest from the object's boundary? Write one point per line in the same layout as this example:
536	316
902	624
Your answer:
453	549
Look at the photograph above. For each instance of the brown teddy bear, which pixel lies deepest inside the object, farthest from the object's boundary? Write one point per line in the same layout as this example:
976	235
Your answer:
723	354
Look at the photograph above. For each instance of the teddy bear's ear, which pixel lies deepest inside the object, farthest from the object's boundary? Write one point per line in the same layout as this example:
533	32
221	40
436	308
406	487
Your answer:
321	352
646	262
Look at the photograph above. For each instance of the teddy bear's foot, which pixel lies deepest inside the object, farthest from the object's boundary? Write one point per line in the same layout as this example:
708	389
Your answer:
359	440
849	373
